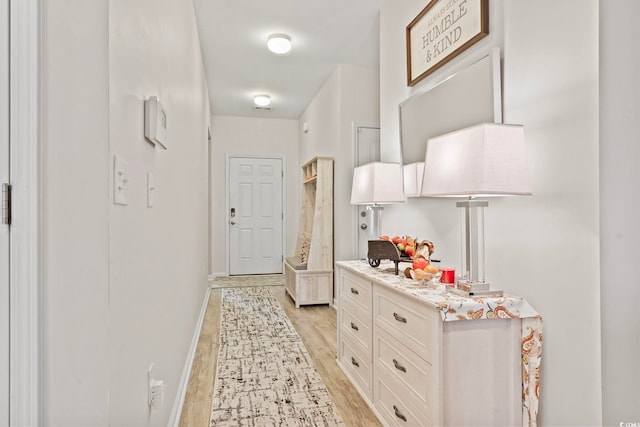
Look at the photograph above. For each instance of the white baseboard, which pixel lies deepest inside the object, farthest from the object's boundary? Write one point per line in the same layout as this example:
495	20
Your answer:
214	275
176	411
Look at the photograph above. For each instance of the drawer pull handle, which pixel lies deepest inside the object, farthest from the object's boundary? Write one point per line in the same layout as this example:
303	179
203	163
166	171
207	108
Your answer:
400	318
355	291
398	366
354	327
399	414
355	362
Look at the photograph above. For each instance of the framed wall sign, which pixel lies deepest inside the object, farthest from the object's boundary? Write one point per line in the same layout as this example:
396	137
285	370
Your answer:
155	122
441	31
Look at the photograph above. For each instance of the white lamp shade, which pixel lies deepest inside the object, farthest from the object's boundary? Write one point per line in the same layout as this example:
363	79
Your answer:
413	178
379	183
486	159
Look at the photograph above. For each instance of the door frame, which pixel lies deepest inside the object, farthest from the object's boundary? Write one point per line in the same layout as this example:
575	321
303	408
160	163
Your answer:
227	229
354	156
25	264
5	236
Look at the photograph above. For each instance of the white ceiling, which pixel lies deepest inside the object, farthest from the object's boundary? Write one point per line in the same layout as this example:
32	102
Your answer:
324	33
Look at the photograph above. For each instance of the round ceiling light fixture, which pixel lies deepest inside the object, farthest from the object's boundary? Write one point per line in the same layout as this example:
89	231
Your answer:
262	100
279	43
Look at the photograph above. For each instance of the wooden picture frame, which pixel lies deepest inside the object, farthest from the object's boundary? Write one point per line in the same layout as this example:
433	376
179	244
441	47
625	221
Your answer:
440	32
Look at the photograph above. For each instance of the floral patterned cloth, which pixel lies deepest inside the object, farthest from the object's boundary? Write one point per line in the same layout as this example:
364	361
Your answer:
455	306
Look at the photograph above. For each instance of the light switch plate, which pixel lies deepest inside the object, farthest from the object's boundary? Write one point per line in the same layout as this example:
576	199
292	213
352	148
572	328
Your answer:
151	189
120	181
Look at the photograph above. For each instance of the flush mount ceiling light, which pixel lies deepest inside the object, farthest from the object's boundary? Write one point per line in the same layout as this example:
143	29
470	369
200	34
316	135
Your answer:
262	100
280	44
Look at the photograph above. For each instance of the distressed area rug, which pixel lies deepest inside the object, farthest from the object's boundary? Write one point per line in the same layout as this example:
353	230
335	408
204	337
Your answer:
243	281
265	376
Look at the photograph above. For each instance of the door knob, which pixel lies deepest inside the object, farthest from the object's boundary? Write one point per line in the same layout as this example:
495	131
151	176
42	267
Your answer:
363	226
233	223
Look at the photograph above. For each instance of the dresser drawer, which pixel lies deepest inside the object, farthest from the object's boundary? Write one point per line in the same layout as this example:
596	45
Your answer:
356	323
417	326
357	364
396	408
356	289
414	373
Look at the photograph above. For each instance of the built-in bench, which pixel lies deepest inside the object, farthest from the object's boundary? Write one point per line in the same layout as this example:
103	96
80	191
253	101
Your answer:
307	287
297	263
309	273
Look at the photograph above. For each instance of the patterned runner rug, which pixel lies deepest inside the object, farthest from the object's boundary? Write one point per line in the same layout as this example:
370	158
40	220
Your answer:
265	376
254	280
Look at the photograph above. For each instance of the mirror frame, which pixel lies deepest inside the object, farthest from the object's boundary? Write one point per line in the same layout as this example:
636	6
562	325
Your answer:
449	83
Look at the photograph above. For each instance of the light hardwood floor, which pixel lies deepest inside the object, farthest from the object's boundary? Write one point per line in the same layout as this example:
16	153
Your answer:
316	325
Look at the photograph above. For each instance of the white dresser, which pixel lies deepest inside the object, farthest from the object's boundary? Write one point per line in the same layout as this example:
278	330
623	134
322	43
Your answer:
423	356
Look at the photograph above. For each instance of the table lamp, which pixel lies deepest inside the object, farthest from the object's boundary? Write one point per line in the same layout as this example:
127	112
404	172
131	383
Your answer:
376	184
413	178
489	159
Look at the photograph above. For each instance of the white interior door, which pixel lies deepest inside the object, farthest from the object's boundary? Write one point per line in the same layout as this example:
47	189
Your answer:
367	151
255	215
4	228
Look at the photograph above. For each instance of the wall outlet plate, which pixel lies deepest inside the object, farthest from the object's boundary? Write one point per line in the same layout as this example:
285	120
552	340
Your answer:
120	181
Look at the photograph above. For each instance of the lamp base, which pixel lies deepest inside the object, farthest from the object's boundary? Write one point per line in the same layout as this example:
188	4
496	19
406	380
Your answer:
375	213
477	289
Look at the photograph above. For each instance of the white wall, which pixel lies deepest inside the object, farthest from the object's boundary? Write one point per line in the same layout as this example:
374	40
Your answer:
322	117
359	105
620	209
75	213
256	137
543	247
158	255
551	86
123	285
350	95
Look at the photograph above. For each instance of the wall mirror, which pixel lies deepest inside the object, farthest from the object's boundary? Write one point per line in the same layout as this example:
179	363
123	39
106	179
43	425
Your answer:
470	96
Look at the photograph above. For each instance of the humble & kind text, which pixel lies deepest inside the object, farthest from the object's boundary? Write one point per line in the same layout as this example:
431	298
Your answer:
442	30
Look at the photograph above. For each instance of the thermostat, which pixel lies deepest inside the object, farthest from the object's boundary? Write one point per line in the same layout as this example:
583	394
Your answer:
155	122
